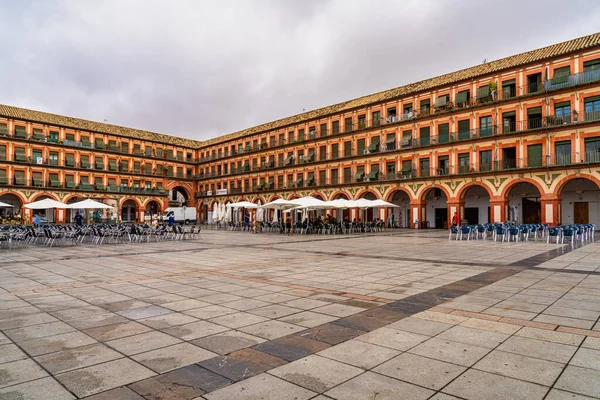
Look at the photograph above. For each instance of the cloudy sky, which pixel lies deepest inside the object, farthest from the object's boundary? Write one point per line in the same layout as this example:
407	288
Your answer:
200	69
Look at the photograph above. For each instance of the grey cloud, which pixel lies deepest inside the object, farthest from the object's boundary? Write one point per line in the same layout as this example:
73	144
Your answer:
199	69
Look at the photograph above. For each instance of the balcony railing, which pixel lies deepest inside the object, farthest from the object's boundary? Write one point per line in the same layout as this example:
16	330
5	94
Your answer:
580	78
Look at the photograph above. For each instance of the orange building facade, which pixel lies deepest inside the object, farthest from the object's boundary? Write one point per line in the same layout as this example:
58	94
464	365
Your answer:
514	139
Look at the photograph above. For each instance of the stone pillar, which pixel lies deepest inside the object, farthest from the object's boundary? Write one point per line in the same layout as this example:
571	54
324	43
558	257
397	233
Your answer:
498	210
417	213
455	206
551	211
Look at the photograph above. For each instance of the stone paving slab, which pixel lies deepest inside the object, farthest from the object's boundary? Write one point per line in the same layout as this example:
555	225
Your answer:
392	315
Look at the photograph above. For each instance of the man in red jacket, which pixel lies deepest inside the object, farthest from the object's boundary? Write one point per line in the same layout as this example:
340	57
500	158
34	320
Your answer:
455	219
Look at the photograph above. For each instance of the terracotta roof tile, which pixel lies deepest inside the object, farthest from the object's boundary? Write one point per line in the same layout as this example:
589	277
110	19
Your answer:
529	57
428	84
92	126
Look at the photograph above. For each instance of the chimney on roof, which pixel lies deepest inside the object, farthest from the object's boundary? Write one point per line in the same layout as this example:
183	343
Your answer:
484	61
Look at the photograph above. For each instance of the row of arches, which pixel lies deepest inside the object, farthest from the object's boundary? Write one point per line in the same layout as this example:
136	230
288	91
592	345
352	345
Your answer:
129	209
574	200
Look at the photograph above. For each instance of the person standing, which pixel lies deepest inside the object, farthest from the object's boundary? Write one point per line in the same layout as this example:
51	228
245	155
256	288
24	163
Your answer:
37	220
171	220
456	220
78	219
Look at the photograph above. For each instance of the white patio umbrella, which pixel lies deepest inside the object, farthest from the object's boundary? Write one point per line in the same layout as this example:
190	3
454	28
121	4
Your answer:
260	213
215	213
4	205
89	204
382	203
223	212
281	204
46	204
242	204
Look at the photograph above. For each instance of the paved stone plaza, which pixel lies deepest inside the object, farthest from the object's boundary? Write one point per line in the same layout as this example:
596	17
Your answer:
402	315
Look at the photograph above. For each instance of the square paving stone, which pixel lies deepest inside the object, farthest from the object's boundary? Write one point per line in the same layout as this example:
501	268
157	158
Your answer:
274	311
242	364
271	329
38	331
122	393
27	320
167	320
79	357
116	331
261	387
305	303
80	312
476	337
51	344
20	371
316	373
195	330
209	312
374	386
172	357
422	371
449	351
516	366
420	326
97	320
101	377
330	333
238	320
338	310
371	319
550	336
394	339
308	319
144	312
292	347
479	385
360	354
561	353
10	352
184	383
227	342
187	304
143	342
585	358
556	394
245	304
45	388
124	305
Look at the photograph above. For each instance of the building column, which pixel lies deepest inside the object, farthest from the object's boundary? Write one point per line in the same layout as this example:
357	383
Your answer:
455	206
551	211
417	213
498	210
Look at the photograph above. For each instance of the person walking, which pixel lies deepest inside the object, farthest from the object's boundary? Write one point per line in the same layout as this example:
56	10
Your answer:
171	220
37	220
78	219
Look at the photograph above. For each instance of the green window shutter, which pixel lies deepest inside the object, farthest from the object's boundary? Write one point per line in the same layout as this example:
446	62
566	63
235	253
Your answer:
3	129
483	91
534	155
444	133
424	134
461	97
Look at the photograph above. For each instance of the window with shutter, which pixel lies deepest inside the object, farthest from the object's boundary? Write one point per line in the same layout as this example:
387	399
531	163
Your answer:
534	155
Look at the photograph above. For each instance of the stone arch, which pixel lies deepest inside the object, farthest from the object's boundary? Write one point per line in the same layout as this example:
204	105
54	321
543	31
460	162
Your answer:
18	195
426	189
462	191
153	206
16	199
128	212
293	196
366	192
318	195
134	199
257	198
181	193
399	216
512	183
340	194
392	192
569	178
45	195
274	197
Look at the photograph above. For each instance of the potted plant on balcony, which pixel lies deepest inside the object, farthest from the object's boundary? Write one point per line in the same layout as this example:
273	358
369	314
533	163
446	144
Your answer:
493	85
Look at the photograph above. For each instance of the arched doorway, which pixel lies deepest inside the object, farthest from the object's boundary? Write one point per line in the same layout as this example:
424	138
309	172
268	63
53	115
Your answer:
14	201
399	216
580	202
524	204
477	205
153	207
178	197
370	213
436	209
129	211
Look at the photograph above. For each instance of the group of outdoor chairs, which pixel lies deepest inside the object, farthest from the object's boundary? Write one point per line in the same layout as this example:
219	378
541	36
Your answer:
508	232
12	236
